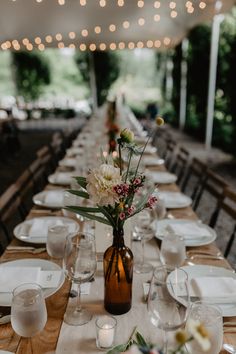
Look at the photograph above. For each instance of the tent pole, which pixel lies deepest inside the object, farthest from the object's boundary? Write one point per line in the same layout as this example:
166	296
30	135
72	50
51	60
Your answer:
215	34
183	84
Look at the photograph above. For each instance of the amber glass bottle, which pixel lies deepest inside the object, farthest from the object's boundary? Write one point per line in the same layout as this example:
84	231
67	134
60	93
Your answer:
118	275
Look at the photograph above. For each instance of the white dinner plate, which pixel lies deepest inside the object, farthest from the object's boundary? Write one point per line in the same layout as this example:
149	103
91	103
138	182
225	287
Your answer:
150	150
74	151
5	298
68	162
61	178
152	161
52	199
23	231
5	352
195	271
174	200
162	177
207	235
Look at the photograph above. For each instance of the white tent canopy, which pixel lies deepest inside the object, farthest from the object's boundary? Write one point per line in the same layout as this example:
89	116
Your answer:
142	22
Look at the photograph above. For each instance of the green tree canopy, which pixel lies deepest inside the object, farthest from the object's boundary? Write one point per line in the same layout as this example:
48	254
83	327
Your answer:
31	73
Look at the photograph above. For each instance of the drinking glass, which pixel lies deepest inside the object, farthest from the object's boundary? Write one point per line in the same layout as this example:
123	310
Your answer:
168	300
56	240
142	231
28	310
210	316
173	250
79	264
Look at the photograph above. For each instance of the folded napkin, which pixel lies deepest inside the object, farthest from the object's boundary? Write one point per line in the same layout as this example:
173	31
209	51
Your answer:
68	162
188	229
214	289
11	277
151	161
63	177
54	198
39	227
172	197
162	177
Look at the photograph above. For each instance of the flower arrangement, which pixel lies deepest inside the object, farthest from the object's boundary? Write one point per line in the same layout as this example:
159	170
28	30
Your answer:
113	190
136	344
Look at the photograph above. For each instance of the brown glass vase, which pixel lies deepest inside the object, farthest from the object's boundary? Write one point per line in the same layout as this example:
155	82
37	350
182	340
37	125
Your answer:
118	275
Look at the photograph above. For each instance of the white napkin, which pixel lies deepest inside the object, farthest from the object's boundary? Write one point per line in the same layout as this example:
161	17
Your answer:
68	162
151	161
63	177
162	177
54	198
188	230
171	198
11	277
214	289
39	227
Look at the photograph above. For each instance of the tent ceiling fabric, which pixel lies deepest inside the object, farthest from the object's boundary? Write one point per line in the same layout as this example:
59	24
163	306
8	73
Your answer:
29	19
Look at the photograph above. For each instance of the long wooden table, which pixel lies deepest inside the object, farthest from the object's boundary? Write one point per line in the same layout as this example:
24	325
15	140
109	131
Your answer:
82	339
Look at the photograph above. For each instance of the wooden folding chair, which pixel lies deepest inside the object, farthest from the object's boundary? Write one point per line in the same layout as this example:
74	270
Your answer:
25	186
194	177
180	164
169	155
10	214
227	204
39	175
45	155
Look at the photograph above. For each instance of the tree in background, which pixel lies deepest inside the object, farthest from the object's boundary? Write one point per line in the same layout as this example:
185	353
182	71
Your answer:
31	73
106	67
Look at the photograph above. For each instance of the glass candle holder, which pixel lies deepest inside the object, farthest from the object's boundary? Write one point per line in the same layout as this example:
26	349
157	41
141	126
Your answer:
105	331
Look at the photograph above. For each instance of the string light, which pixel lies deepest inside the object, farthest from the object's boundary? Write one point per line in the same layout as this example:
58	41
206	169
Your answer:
84	33
121	45
141	21
71	46
83	2
112	46
112	28
157	18
166	41
149	44
189	4
157	4
102	3
4	46
120	3
61	45
157	44
61	2
97	29
29	47
82	47
140	3
102	46
8	44
92	47
202	5
48	39
37	40
131	45
126	24
58	37
173	14
190	10
72	35
140	45
41	47
25	41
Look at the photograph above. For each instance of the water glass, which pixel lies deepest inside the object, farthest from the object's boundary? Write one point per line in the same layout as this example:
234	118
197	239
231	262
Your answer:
56	240
28	310
173	250
210	316
105	331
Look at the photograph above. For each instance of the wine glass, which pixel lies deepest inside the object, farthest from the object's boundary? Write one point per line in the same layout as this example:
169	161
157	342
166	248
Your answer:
28	310
142	231
79	264
210	316
173	250
168	300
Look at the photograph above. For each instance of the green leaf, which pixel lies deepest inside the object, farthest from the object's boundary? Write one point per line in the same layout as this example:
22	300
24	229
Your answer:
140	340
107	214
81	181
79	193
118	349
85	209
77	210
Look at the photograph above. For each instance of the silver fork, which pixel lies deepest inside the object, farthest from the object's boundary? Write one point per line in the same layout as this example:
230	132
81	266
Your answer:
29	249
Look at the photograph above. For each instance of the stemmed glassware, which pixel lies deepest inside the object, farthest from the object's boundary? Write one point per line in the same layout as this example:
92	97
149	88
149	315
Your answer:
142	231
168	300
79	264
210	316
28	310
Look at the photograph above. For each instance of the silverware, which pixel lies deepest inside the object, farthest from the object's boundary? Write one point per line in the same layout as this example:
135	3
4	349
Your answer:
229	348
27	249
205	256
208	253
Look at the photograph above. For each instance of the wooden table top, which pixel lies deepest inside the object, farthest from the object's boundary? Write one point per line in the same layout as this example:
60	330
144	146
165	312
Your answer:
46	341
